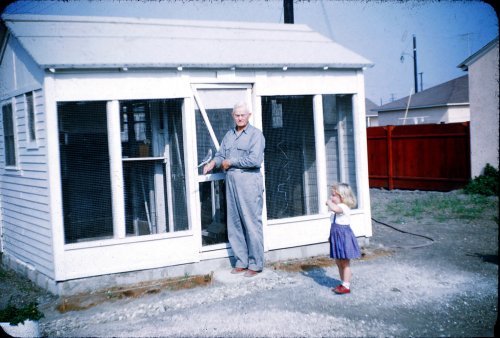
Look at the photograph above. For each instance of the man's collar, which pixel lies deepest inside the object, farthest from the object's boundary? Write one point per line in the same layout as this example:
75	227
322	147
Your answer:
243	130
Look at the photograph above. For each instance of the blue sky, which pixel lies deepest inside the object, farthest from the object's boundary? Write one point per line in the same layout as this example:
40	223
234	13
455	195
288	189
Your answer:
446	32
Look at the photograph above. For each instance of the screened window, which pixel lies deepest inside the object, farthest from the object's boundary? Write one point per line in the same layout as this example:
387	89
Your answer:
290	156
30	117
85	171
152	162
153	166
9	135
339	139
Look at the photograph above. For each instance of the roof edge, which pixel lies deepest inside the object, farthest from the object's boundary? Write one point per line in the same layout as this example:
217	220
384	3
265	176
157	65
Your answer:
154	21
464	65
424	106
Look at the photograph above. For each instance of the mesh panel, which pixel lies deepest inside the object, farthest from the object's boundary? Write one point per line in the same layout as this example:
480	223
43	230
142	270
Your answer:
221	122
339	139
218	105
153	166
213	212
290	156
152	162
86	186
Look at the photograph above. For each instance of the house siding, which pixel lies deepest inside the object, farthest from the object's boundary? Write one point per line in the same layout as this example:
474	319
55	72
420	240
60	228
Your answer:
483	89
25	210
444	114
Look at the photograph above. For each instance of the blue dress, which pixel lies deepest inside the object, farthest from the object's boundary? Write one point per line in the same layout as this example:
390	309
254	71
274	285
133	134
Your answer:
343	243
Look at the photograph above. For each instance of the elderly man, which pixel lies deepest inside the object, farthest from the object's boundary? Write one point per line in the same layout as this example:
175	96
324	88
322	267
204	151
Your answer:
241	154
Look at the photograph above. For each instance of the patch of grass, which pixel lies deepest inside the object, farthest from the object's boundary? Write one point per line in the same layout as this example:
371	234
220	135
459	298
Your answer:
442	207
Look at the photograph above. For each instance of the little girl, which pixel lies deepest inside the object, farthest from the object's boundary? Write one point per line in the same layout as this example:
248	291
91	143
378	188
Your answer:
343	243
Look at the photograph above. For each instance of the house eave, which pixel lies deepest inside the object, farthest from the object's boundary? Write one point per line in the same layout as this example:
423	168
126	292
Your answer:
211	66
424	107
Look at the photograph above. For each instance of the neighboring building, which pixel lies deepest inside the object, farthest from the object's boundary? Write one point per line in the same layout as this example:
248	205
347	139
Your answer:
482	68
371	113
444	103
105	121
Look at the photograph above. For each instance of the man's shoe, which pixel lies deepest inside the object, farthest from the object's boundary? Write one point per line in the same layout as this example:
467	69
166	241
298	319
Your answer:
250	273
340	290
238	270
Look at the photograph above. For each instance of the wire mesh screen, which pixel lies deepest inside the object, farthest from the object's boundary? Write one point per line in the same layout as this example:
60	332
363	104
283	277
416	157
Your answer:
153	166
339	139
86	185
154	185
221	121
290	156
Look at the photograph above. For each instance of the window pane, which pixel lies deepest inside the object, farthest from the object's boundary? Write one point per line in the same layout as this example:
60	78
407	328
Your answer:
9	137
339	139
85	173
30	106
153	166
290	156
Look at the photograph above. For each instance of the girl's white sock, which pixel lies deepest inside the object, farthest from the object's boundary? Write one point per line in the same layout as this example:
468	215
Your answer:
346	285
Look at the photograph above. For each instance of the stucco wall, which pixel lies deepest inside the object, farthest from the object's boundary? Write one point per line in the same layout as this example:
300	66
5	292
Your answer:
483	94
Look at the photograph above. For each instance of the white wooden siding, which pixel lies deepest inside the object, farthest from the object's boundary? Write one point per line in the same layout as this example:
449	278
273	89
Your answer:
26	226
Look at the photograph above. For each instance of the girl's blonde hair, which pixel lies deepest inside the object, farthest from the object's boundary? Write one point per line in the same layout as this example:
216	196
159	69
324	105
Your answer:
346	194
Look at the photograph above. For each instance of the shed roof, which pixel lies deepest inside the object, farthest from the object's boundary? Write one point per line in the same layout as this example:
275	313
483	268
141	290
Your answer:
453	92
101	42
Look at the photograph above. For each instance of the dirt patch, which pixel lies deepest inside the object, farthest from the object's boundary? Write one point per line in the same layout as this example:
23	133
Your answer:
303	265
86	300
312	263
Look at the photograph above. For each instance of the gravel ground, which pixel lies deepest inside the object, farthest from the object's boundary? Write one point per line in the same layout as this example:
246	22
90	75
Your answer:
405	285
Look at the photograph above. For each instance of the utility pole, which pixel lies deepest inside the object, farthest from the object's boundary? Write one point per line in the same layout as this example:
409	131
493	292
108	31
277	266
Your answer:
288	9
415	62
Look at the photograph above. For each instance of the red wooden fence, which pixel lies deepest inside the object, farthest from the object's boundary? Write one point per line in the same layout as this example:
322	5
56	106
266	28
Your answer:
419	157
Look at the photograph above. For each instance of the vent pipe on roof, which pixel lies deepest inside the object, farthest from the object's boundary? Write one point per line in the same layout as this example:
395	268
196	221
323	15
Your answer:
288	9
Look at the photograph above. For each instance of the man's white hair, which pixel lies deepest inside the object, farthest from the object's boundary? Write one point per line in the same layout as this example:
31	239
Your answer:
241	104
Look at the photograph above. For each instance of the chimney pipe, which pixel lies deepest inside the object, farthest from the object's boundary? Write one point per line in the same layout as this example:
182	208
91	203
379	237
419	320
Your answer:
288	9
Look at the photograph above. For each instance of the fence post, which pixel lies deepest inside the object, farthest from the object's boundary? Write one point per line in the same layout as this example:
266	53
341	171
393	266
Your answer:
390	172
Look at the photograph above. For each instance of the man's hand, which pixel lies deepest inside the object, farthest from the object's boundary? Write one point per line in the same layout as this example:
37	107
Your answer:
226	164
208	167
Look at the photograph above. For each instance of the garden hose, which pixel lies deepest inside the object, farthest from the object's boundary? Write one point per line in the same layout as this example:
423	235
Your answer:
409	233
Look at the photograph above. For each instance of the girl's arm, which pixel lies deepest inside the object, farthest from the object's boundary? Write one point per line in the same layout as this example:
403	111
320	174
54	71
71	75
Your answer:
334	207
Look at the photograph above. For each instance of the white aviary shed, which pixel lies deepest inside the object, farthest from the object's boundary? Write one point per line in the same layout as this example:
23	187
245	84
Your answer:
106	120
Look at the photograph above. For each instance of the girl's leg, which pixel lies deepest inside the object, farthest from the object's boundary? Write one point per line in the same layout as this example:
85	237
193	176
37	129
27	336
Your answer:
347	271
345	276
344	270
340	266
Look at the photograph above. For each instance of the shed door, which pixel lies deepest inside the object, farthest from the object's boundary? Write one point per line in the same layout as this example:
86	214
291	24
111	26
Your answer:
213	107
